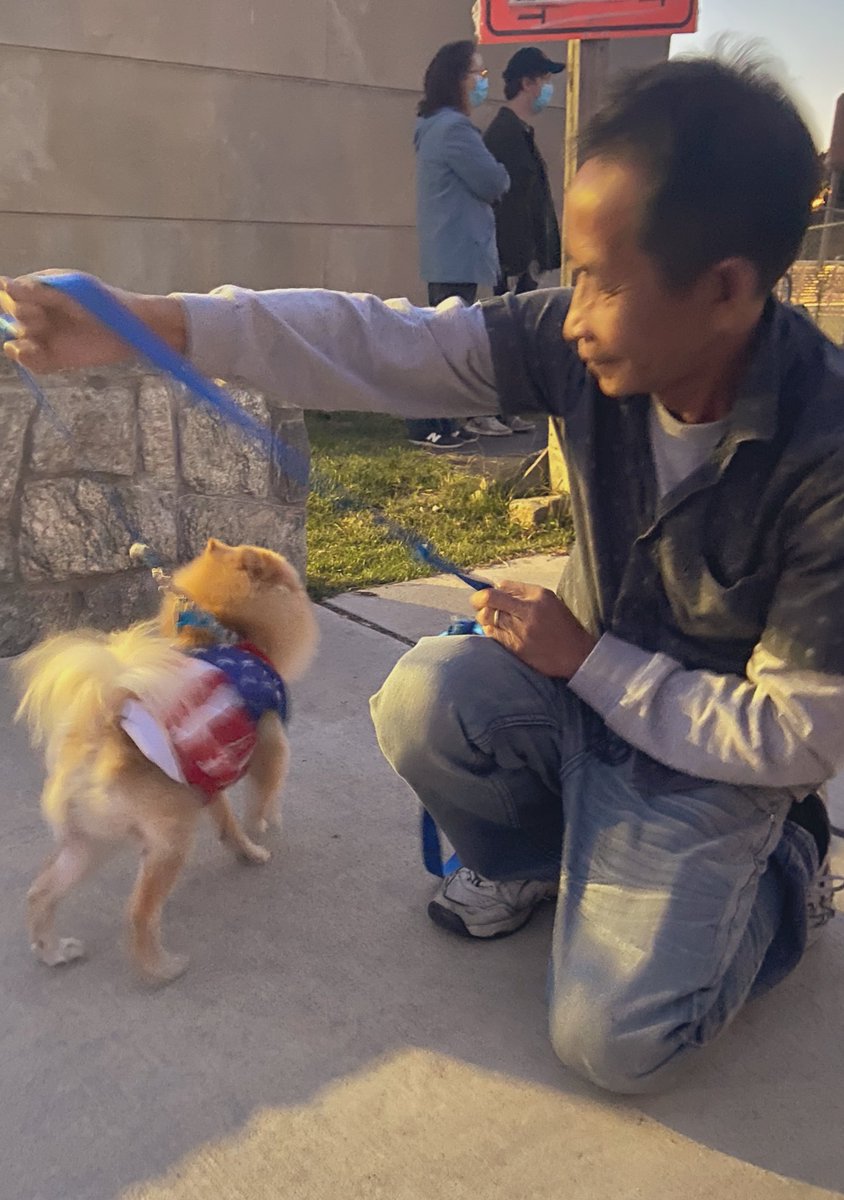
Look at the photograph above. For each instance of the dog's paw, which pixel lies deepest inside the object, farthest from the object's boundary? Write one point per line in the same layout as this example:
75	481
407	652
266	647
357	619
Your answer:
258	827
166	969
65	950
253	853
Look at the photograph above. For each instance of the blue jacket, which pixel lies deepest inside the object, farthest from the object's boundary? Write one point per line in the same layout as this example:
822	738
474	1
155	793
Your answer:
457	182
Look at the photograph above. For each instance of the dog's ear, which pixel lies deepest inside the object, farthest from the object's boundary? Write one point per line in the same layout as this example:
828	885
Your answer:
263	566
257	566
249	560
212	546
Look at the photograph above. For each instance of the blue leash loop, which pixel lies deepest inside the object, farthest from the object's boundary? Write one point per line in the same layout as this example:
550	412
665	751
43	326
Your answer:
432	851
7	333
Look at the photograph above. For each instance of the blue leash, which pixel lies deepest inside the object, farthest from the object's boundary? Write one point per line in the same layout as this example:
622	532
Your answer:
8	332
432	851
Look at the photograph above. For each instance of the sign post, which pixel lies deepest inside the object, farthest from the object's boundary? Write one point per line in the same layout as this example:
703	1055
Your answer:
836	169
572	130
558	476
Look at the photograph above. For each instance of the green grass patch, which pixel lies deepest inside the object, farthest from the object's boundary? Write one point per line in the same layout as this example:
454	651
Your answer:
444	498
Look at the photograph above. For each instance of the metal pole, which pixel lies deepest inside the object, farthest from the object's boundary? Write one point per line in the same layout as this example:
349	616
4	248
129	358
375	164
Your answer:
829	216
572	134
557	472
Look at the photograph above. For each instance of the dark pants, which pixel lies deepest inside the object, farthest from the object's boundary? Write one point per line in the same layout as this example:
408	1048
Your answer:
418	430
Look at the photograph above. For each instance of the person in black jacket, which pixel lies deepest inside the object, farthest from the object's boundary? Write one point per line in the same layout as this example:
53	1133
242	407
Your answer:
526	223
526	227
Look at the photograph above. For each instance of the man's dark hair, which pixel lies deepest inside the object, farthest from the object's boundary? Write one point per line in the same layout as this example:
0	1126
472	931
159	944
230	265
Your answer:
512	87
444	78
732	166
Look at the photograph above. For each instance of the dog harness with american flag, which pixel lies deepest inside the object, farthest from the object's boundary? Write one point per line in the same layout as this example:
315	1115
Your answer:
206	735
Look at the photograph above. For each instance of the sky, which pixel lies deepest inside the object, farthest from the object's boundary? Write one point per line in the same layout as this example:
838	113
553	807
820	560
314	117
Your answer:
806	35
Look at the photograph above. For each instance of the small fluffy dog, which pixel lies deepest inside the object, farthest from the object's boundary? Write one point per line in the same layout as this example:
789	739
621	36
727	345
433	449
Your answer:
143	726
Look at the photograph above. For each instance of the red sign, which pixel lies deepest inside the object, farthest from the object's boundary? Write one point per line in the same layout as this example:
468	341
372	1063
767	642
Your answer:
561	20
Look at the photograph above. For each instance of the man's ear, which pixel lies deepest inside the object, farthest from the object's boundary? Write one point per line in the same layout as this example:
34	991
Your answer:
736	280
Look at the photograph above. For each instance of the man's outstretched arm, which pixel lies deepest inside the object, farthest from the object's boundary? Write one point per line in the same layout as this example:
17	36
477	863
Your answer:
317	349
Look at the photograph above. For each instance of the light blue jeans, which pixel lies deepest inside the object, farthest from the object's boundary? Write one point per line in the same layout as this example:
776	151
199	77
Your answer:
680	898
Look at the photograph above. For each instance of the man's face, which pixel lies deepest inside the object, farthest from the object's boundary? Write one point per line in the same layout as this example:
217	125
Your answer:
634	332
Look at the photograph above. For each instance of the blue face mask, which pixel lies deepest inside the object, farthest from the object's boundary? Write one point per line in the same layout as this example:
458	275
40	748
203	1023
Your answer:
480	91
544	97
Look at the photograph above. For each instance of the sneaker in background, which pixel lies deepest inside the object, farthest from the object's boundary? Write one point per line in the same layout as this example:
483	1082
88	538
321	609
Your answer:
520	425
440	441
488	427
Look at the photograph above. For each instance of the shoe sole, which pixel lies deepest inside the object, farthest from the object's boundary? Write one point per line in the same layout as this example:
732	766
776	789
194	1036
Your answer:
434	446
450	921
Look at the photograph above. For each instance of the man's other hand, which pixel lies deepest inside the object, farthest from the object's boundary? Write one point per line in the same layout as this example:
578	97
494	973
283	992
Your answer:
536	626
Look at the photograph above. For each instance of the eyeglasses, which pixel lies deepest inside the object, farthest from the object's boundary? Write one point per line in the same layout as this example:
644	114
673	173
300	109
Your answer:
482	73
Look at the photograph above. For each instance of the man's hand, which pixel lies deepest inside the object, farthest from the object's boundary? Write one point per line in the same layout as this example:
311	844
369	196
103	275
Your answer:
56	334
536	626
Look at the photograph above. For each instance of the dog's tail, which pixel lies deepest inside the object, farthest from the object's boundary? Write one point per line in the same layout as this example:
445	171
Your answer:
78	681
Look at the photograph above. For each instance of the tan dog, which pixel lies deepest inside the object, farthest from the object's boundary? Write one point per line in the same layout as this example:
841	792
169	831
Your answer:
101	790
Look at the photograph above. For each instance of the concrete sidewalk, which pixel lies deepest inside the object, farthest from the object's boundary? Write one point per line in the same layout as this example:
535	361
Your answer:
329	1042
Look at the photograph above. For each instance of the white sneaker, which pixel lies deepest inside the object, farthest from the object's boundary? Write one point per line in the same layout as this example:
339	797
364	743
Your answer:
488	427
820	900
520	425
472	906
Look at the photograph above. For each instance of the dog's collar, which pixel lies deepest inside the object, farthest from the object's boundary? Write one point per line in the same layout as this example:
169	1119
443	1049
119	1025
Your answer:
189	615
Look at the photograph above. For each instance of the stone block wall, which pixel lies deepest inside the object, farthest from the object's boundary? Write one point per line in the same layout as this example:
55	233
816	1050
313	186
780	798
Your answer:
114	454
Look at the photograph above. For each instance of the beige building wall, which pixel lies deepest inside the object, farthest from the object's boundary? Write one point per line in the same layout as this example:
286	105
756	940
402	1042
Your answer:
178	144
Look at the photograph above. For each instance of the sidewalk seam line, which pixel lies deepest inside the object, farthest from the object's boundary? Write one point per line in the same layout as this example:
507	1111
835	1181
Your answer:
355	619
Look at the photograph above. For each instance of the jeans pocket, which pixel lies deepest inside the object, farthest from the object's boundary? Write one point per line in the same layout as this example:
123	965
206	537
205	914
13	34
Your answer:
774	802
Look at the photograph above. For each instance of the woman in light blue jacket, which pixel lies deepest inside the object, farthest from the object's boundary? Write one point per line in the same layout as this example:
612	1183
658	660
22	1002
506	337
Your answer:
457	183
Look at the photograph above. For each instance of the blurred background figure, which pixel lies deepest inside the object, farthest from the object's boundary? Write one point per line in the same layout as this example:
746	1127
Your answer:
526	225
457	182
527	230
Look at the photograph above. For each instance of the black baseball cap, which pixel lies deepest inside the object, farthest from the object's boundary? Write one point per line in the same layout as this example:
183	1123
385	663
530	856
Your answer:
529	62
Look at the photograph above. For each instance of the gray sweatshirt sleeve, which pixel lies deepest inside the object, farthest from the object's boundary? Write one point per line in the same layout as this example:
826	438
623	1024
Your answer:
334	350
778	726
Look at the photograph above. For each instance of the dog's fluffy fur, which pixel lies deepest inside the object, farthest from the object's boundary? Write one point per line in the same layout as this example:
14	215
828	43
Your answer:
100	790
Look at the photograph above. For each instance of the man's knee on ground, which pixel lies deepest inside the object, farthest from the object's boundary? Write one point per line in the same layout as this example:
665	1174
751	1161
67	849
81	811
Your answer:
417	710
626	1057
